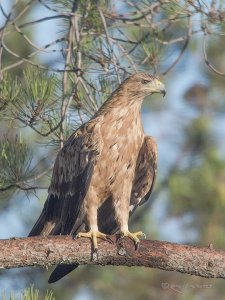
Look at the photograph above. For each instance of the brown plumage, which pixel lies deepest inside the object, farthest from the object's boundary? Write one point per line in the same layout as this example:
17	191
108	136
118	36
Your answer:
105	170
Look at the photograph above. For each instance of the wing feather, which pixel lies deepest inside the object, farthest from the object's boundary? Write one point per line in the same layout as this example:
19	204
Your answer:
71	177
145	173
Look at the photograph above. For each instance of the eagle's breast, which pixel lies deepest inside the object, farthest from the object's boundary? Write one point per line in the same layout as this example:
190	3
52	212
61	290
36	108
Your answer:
122	136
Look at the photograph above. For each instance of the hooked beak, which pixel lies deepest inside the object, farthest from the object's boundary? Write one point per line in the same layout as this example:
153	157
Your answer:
157	86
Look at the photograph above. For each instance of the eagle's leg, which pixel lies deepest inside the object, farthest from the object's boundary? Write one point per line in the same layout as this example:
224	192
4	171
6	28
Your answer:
91	206
122	216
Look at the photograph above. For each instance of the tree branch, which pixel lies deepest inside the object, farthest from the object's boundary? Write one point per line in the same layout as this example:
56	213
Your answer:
48	251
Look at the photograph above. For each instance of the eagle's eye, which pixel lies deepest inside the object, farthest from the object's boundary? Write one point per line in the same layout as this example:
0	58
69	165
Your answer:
143	81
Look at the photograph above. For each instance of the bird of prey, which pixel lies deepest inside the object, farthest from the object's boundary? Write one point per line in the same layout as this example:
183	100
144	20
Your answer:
105	170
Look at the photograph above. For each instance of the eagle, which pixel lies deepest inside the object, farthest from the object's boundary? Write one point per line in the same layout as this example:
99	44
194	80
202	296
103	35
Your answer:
105	170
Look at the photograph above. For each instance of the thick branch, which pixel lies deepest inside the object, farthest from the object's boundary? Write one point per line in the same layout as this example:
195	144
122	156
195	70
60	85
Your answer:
47	251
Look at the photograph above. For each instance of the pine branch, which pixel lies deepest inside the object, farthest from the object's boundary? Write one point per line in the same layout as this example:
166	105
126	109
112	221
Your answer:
48	251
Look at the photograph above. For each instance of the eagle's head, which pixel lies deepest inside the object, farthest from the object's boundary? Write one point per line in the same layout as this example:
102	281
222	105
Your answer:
144	84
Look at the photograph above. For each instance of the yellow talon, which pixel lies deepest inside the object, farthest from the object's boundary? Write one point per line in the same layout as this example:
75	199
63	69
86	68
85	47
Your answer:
93	235
133	236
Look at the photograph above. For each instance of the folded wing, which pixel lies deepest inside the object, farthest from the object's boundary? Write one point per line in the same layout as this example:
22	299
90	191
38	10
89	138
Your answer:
70	181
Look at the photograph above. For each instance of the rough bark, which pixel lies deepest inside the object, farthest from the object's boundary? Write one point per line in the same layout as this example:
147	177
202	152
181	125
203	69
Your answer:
47	251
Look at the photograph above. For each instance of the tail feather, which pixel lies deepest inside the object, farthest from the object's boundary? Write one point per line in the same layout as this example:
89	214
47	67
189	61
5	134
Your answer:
61	271
50	223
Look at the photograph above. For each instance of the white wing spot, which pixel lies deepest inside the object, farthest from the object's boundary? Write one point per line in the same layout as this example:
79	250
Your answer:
139	199
131	207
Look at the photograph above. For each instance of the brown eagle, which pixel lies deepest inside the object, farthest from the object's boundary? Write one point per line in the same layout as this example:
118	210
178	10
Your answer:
105	170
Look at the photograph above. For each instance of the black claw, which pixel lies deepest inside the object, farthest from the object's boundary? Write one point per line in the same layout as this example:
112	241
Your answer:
108	239
137	245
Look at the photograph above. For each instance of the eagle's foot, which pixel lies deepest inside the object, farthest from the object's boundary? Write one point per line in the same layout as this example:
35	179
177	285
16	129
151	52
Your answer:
93	235
133	236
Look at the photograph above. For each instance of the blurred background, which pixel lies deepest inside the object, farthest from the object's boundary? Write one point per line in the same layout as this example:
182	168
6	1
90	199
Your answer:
59	61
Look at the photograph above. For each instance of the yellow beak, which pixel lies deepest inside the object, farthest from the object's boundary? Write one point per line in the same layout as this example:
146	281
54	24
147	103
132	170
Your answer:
157	86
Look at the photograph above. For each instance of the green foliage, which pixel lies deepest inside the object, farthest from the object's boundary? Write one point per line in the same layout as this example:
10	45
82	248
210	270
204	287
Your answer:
37	97
66	4
92	19
30	294
38	84
10	89
175	8
15	159
195	187
198	134
199	182
29	98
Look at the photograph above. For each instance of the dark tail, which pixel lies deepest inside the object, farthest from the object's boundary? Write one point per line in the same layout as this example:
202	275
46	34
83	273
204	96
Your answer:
61	271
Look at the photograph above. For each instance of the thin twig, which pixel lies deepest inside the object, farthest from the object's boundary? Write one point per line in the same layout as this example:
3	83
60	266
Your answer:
206	58
189	33
21	187
114	58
